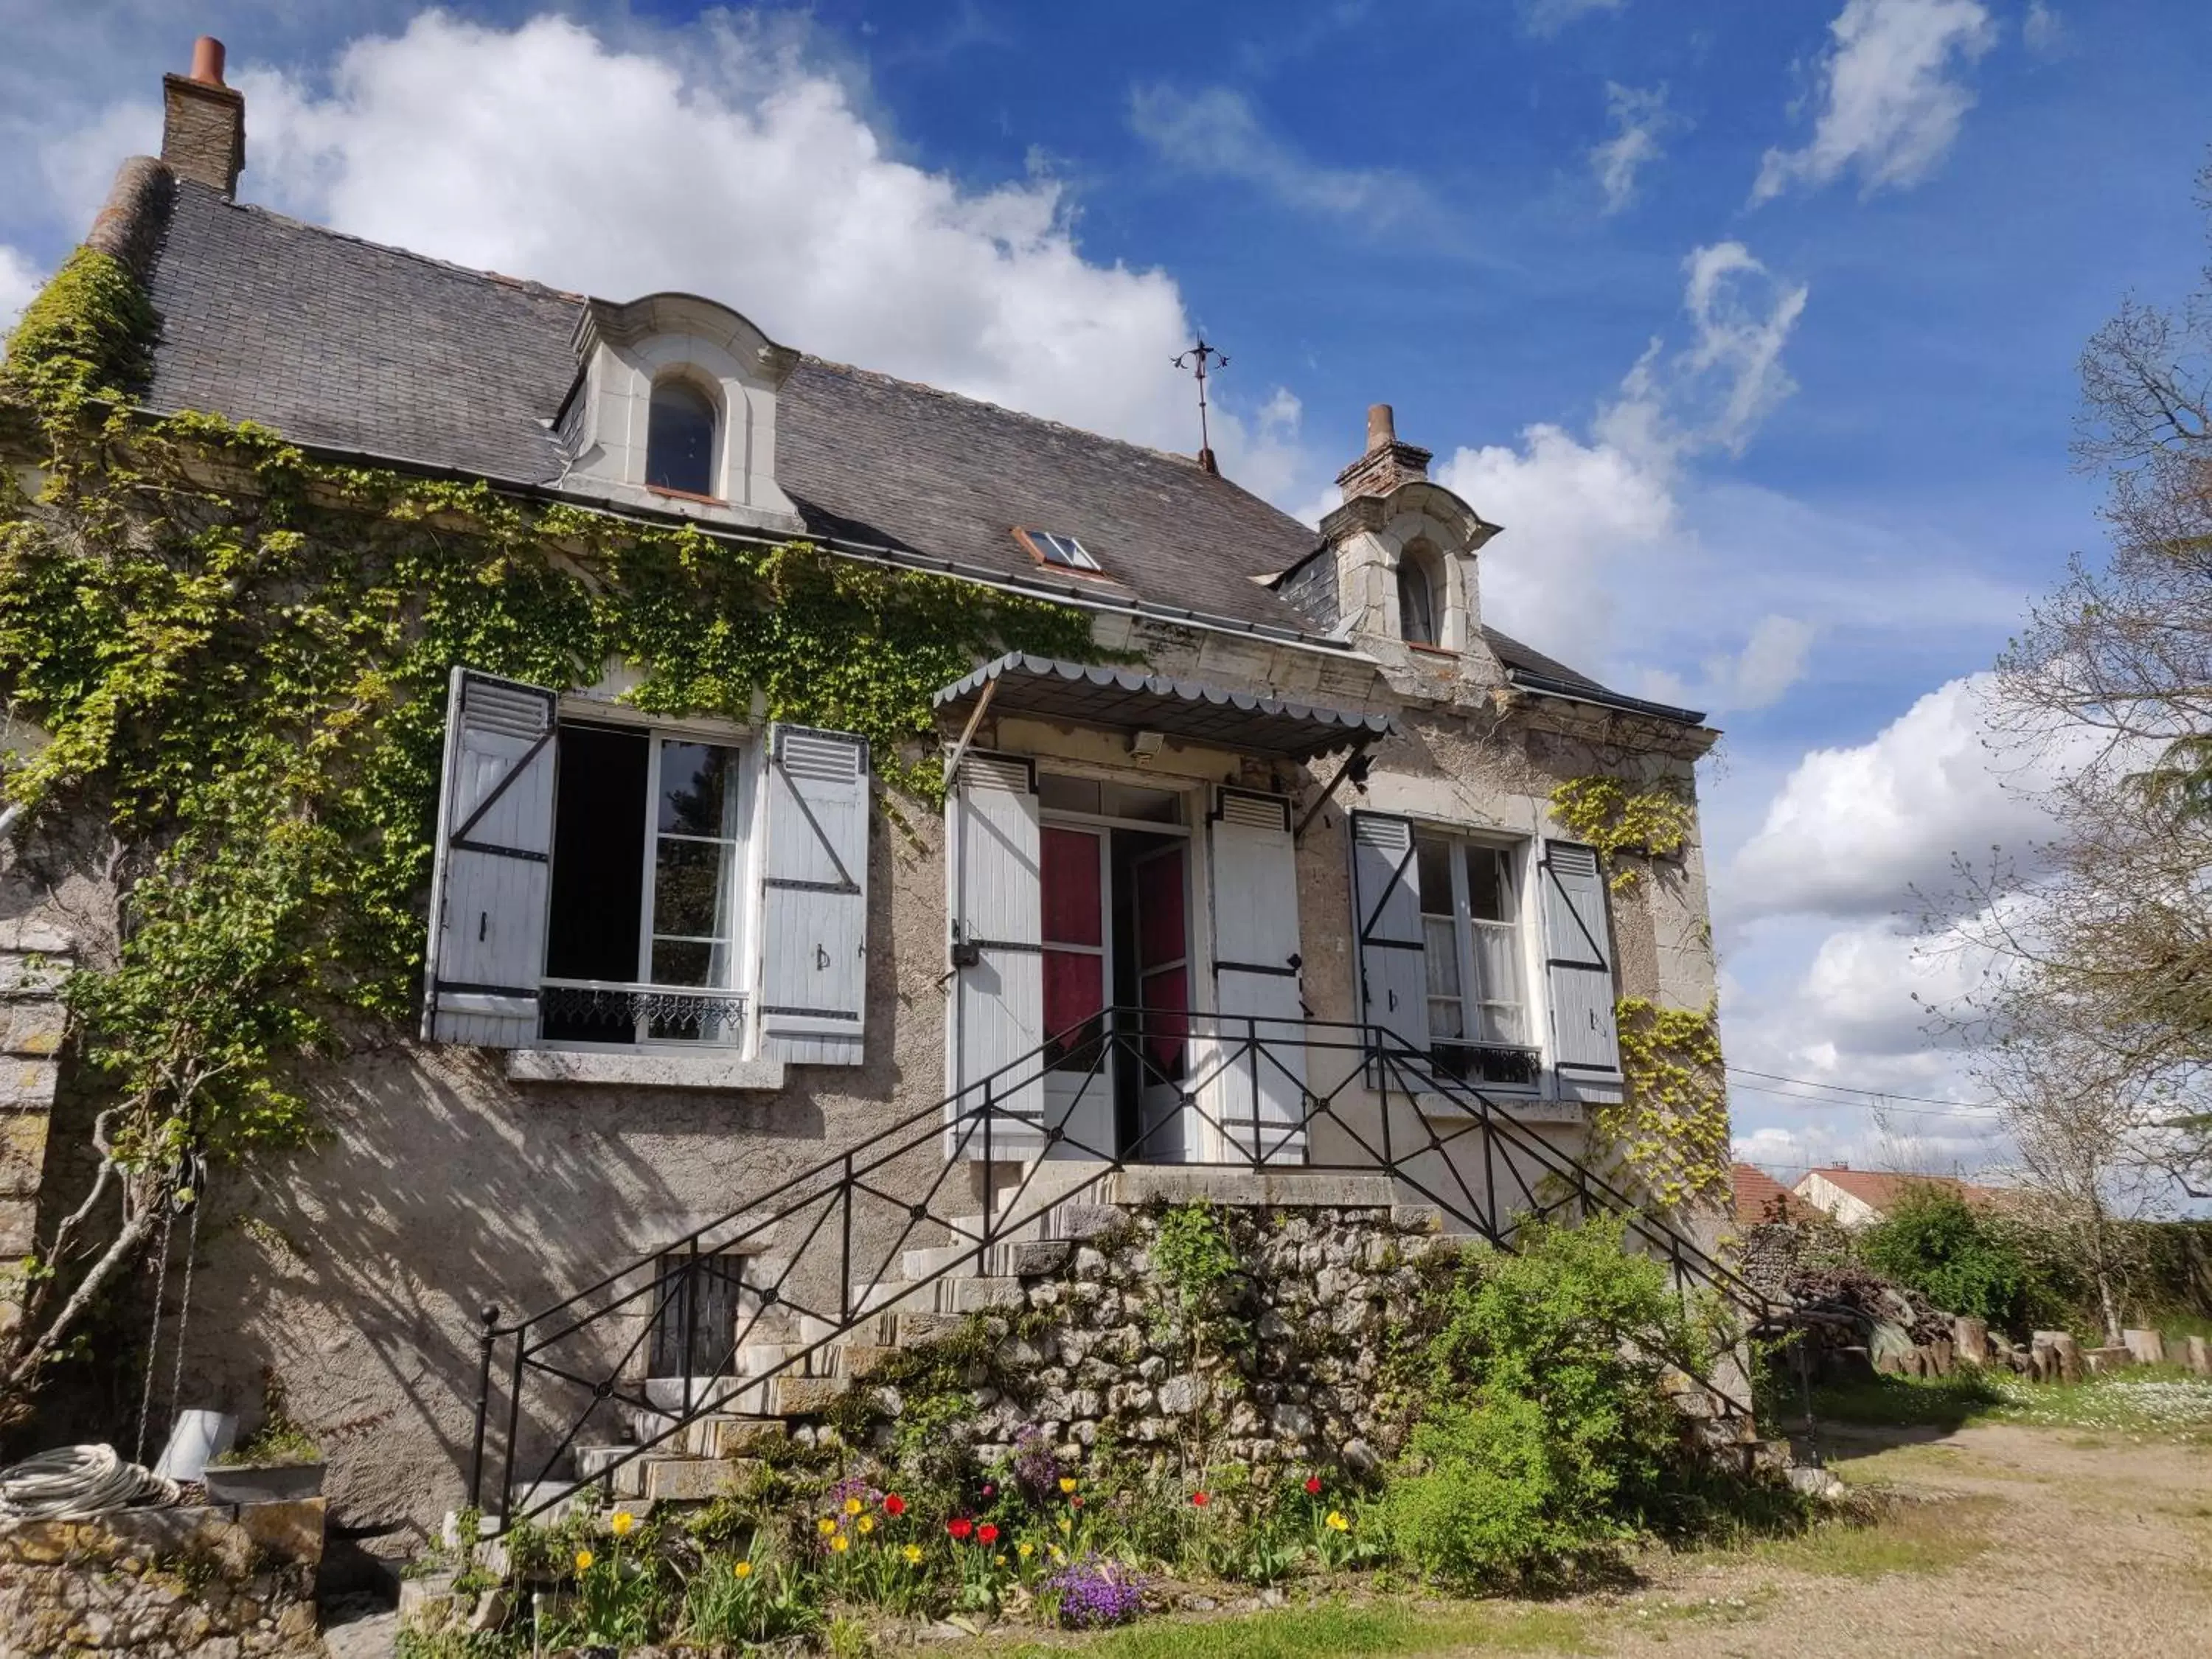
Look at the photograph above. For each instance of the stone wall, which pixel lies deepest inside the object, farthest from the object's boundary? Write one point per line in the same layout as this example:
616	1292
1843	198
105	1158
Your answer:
210	1582
1290	1364
34	959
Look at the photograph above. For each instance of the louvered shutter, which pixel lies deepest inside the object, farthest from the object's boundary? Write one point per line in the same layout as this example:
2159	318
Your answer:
814	897
994	906
1394	977
493	864
1578	947
1255	1094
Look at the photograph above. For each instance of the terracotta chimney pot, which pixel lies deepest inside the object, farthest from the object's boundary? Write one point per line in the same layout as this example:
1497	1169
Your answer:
207	61
1381	427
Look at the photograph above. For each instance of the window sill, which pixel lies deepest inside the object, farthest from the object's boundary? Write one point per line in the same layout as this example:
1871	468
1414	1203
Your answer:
657	1069
1529	1107
1443	651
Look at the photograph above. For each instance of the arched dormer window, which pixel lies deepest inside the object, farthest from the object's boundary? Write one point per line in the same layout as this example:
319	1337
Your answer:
679	443
1418	605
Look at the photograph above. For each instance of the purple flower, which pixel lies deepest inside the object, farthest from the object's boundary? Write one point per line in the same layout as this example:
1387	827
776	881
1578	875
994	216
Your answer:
1095	1592
854	1487
1037	1471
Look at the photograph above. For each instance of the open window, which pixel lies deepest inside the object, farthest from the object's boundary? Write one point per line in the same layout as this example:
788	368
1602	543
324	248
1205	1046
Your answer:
1420	597
604	884
1472	952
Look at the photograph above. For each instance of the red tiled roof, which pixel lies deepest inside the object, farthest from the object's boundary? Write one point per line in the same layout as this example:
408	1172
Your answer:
1760	1197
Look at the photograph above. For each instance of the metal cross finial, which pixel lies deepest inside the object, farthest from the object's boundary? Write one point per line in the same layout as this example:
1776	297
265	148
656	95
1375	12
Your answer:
1194	360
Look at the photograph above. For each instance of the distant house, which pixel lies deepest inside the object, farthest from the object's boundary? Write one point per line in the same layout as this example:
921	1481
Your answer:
1859	1198
1760	1199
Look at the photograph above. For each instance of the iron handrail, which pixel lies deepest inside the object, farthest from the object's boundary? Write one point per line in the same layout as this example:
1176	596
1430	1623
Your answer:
1236	1051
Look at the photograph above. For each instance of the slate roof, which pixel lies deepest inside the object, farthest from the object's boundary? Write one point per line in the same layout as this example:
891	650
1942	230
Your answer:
346	344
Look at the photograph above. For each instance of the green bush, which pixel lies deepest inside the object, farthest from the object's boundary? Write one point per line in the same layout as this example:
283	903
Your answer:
1549	1437
1933	1240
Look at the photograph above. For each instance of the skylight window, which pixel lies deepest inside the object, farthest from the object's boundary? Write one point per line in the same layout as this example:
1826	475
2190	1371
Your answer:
1048	547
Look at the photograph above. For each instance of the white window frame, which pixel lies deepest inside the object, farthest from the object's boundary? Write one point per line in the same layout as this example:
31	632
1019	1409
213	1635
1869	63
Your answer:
741	871
1515	858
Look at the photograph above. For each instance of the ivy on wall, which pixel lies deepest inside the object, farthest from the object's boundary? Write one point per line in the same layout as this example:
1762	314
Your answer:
1670	1126
1648	823
239	655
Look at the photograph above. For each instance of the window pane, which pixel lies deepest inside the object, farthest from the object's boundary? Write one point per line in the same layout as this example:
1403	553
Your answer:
679	444
1433	861
698	789
598	858
1074	914
1499	1022
1496	962
1442	955
1416	612
1059	794
1489	892
1152	805
1443	1018
690	889
689	962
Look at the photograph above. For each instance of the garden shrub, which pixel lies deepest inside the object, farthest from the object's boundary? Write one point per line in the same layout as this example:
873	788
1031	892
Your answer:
1549	1436
1935	1242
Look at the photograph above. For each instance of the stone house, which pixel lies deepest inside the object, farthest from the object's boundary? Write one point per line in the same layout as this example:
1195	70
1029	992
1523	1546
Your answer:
1860	1198
1229	916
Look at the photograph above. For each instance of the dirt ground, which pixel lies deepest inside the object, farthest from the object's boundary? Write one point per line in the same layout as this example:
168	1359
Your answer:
2004	1540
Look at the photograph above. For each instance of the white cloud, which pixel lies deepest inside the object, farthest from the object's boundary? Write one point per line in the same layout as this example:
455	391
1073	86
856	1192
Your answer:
20	282
1890	100
1772	660
1853	831
2043	30
1581	514
1215	133
1550	16
1641	120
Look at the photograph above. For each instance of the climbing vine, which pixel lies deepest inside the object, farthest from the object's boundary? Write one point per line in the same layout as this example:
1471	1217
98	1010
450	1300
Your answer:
238	654
1648	823
1670	1126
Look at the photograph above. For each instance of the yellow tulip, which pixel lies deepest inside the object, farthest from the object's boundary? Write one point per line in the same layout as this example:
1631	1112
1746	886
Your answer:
825	1526
1025	1549
854	1506
583	1560
841	1543
743	1569
1068	1483
1067	1525
1336	1522
623	1521
865	1524
913	1553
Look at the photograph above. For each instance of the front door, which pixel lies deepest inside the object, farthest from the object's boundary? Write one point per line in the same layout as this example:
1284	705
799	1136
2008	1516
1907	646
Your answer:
1079	967
1160	892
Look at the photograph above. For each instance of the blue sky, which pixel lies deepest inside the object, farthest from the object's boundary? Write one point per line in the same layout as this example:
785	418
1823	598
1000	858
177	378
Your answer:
1754	323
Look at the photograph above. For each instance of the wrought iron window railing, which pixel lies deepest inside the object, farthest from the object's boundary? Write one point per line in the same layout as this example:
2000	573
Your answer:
598	1010
544	1379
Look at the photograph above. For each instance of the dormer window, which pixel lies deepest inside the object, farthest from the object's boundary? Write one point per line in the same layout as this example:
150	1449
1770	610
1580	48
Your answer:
679	445
1417	600
1059	551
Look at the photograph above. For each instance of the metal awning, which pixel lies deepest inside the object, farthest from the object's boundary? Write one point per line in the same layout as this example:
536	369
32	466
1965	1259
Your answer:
1128	699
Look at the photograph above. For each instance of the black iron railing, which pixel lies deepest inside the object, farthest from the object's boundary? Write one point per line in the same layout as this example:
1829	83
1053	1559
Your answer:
1243	1093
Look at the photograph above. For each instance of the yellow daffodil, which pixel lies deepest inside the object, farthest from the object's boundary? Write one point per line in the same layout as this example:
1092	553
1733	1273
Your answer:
623	1521
998	1560
743	1569
825	1526
1057	1555
865	1524
913	1553
1025	1549
841	1543
854	1506
1068	1483
1336	1522
583	1560
1067	1525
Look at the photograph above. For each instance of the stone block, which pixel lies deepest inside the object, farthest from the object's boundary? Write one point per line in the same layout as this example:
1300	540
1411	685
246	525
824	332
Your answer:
1037	1258
34	1026
290	1532
804	1396
22	1154
26	1084
1083	1221
854	1359
2200	1356
2103	1362
972	1295
19	1227
693	1479
741	1436
2148	1346
1970	1338
913	1329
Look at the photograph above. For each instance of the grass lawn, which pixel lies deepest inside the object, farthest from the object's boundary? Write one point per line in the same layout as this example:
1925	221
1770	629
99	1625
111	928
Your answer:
1336	1627
2155	1400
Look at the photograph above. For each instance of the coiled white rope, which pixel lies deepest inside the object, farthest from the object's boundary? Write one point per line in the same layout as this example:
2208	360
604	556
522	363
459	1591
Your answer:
74	1481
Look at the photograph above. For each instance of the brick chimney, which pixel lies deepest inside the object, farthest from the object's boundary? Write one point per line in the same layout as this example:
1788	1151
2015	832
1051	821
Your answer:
204	121
1387	463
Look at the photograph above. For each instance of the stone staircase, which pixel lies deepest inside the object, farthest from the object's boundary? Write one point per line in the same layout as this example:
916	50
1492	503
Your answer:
795	1365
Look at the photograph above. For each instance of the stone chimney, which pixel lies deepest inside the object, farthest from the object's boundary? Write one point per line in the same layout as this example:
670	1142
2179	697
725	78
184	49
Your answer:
204	121
1387	463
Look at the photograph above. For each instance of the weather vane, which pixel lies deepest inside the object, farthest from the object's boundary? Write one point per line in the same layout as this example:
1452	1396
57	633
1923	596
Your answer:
1194	360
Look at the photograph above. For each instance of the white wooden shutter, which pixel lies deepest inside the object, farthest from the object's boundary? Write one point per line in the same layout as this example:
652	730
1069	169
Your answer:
1386	904
814	897
1256	1095
493	863
994	908
1579	948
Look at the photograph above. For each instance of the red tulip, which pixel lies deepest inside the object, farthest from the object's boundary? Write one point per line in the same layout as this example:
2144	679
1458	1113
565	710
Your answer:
1313	1486
894	1505
1200	1498
960	1526
987	1534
